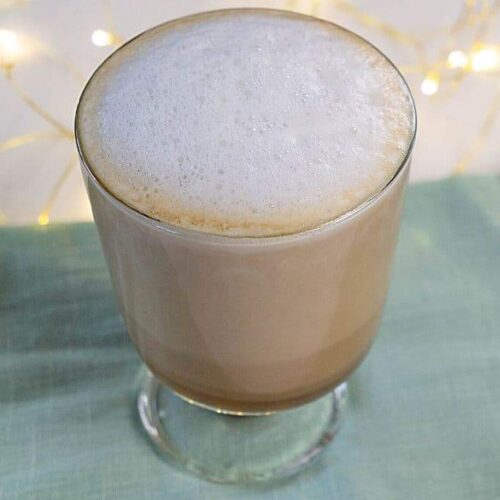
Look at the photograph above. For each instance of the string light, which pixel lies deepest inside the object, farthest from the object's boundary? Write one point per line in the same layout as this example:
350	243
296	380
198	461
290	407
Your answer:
102	38
486	59
480	58
430	84
43	219
457	59
11	48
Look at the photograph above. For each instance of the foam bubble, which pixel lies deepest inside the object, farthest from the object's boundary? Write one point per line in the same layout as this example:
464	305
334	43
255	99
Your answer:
246	123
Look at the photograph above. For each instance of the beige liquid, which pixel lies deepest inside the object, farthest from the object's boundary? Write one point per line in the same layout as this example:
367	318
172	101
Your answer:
250	324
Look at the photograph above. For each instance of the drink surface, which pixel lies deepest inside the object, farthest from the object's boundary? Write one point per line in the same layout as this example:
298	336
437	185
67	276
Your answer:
246	123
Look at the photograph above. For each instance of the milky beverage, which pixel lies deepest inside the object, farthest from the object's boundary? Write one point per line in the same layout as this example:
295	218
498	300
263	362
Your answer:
246	171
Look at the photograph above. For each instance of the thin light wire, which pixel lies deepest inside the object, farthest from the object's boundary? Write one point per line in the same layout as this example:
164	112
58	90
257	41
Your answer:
54	193
21	140
35	107
110	21
68	66
484	130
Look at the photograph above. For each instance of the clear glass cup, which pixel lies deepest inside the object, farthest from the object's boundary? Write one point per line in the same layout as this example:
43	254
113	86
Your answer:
264	329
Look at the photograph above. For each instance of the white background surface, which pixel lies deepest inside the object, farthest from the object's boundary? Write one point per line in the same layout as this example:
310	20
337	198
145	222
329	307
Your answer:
448	121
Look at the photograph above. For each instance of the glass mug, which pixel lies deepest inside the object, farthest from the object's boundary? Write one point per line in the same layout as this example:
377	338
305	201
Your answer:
263	328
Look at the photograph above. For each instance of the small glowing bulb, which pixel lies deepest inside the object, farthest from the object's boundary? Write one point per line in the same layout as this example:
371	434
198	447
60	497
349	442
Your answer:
430	84
43	219
102	38
10	47
486	59
457	59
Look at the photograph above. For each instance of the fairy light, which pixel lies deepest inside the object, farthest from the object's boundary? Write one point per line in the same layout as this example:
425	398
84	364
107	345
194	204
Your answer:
486	59
102	38
480	58
430	84
11	48
457	59
43	219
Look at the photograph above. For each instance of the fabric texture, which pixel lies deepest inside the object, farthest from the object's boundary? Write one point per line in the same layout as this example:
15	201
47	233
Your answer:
423	411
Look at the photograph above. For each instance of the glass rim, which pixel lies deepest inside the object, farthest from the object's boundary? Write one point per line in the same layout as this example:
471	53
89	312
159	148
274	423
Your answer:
228	238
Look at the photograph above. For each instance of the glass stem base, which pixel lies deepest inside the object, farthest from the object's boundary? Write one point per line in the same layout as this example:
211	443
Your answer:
236	449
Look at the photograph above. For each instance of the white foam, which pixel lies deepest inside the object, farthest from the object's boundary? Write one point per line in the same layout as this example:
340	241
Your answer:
246	123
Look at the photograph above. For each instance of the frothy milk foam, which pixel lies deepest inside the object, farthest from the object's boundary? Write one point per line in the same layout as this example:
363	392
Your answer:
246	123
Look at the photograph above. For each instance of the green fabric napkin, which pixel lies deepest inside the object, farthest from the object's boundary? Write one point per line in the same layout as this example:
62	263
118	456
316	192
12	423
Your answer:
423	411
